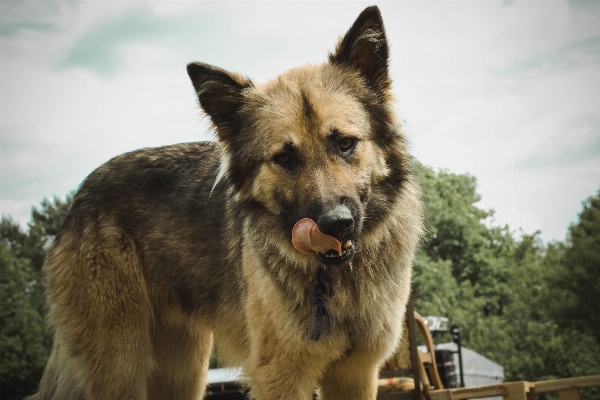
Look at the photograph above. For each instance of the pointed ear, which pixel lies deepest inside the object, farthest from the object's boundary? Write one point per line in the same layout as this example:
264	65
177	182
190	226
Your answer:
365	47
220	94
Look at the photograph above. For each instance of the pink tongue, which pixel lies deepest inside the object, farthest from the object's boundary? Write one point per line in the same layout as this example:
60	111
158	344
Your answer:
307	238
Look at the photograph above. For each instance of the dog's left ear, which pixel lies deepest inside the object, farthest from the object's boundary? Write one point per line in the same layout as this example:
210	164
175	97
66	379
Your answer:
221	96
365	47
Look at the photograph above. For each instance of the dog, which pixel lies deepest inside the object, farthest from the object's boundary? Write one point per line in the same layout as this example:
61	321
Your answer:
287	242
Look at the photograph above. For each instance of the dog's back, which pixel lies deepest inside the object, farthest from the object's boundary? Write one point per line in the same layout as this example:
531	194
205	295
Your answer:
127	267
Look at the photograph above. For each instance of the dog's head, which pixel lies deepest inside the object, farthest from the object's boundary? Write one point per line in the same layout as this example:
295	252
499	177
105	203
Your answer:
318	142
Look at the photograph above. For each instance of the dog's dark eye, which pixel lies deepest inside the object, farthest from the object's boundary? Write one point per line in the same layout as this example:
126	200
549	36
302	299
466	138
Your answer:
346	144
286	160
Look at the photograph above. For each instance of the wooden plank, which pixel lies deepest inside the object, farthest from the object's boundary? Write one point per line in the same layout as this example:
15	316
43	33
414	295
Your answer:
516	390
567	389
443	394
568	394
428	357
414	357
476	392
568	383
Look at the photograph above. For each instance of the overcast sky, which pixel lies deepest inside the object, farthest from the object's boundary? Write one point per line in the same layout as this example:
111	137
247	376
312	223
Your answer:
507	91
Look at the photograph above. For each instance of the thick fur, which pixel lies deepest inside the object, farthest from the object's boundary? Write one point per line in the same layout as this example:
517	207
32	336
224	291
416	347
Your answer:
166	250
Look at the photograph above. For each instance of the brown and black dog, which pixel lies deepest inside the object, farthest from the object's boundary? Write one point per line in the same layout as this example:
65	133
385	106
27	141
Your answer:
167	251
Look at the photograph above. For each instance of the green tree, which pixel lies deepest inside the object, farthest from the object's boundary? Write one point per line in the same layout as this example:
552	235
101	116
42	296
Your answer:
513	297
576	279
458	232
24	344
44	226
25	341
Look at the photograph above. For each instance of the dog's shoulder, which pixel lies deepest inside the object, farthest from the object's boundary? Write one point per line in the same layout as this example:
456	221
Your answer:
156	170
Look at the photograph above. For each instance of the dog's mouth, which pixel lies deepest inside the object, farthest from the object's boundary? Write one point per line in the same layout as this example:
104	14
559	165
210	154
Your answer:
332	257
308	239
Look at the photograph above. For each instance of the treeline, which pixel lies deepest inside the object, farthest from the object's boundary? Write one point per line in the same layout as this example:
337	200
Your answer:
530	307
25	340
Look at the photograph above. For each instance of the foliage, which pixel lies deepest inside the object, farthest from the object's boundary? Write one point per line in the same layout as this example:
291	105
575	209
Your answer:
576	278
458	234
24	345
521	303
25	341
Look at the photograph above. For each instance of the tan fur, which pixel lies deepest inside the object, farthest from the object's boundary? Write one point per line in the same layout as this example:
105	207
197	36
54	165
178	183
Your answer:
167	251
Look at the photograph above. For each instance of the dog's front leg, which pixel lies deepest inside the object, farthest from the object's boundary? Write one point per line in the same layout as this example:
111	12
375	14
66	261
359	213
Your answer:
280	365
355	377
281	377
279	368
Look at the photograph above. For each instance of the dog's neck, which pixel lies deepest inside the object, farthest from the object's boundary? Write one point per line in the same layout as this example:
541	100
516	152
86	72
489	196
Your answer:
322	320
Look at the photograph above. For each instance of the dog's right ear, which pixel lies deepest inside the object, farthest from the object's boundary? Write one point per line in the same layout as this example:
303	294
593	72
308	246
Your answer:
220	94
365	48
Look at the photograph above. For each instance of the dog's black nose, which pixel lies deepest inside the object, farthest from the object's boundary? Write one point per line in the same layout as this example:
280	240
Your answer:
336	222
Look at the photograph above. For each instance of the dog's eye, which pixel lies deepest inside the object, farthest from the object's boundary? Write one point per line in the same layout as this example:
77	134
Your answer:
346	144
286	160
